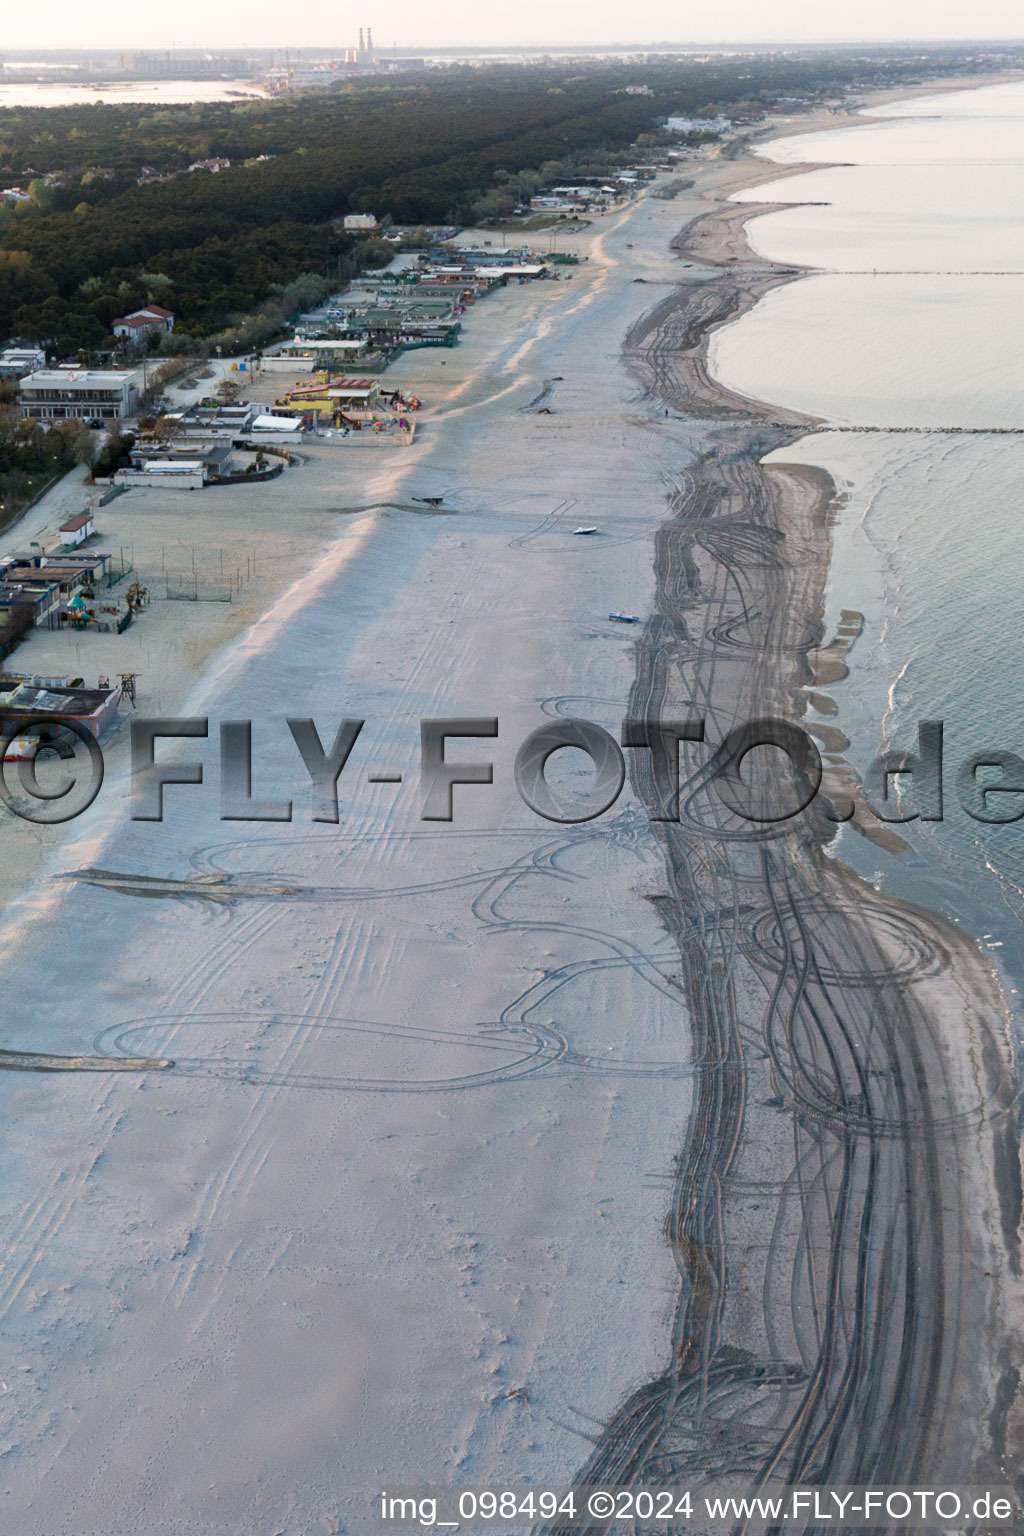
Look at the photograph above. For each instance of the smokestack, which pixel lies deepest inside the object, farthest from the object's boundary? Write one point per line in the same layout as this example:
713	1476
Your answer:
360	40
369	41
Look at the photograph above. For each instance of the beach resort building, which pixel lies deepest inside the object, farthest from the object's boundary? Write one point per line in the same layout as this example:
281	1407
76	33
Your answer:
310	347
68	578
93	564
715	125
79	394
95	709
38	600
214	420
337	399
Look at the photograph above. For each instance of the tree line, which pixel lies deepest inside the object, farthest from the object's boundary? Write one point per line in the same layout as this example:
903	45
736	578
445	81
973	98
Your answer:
214	248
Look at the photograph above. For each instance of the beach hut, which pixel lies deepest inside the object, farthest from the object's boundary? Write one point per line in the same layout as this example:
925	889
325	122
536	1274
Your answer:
77	529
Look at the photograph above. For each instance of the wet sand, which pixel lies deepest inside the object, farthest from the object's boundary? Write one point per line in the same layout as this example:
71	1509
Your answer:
845	1215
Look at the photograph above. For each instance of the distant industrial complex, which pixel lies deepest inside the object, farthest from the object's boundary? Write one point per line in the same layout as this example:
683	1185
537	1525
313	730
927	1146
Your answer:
277	70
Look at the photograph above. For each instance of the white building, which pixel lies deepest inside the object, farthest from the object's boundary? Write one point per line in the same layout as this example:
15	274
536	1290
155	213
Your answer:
276	426
16	362
79	394
76	530
326	346
180	474
698	124
360	221
152	318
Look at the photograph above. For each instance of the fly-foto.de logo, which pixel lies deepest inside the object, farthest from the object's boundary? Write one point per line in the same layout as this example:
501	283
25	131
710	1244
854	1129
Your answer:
763	772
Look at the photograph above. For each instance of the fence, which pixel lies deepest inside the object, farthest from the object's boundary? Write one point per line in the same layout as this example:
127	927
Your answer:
117	570
271	448
251	477
190	589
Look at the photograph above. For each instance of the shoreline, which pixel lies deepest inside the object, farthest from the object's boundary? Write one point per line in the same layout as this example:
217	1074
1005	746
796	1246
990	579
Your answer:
180	667
805	1013
321	1211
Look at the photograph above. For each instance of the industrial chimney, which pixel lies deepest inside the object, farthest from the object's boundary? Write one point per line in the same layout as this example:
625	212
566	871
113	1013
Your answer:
361	40
369	40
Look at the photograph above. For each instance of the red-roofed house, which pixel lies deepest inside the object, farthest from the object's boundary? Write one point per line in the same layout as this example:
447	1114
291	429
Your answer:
142	320
77	529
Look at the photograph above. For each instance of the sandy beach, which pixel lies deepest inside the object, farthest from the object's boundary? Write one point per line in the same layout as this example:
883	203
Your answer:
362	1230
844	1039
261	541
496	1148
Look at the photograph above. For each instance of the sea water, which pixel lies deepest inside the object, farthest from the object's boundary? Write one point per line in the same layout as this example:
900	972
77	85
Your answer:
914	320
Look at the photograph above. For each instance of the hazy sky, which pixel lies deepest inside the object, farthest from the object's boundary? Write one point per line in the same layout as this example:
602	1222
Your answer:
236	24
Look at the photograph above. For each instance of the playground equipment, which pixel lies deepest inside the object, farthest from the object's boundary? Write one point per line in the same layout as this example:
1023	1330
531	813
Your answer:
78	614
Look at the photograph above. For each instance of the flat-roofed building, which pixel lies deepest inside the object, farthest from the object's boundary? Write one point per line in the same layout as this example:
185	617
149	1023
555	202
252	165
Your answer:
390	327
95	709
491	273
715	125
16	362
327	346
181	474
341	392
79	394
94	563
482	255
68	578
271	423
216	420
39	599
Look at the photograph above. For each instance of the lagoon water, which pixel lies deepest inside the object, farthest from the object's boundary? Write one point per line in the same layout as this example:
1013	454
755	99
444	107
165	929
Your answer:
163	93
914	319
